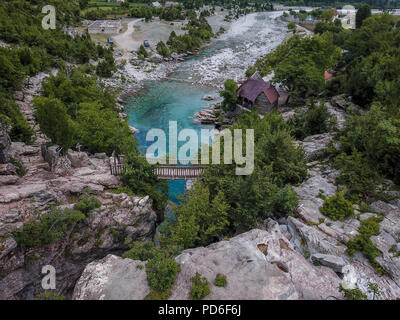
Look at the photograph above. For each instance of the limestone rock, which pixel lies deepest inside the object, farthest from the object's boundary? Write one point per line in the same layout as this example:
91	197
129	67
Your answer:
315	241
102	233
313	145
78	159
7	169
330	261
156	58
308	193
21	149
258	264
112	278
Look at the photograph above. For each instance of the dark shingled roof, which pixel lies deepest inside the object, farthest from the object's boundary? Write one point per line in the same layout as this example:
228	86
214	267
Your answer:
252	88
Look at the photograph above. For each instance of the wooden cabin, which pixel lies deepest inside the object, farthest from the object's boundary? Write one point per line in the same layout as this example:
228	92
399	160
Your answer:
257	92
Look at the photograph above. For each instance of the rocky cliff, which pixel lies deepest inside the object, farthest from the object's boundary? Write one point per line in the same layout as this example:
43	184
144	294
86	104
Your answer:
36	178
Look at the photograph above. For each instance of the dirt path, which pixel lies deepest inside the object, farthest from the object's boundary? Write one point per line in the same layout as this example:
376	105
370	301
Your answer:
126	41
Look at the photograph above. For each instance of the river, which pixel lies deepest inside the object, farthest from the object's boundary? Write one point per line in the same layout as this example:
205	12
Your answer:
228	56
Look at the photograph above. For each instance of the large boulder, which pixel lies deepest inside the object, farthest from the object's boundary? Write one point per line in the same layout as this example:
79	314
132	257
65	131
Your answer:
78	159
112	278
21	149
7	169
60	165
334	262
314	145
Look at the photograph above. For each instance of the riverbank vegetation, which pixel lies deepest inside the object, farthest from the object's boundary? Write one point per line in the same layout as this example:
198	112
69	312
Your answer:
198	31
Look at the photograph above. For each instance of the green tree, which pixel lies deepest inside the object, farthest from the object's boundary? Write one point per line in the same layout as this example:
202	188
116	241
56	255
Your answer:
327	15
198	219
229	95
142	52
163	50
55	122
363	13
139	177
100	130
291	26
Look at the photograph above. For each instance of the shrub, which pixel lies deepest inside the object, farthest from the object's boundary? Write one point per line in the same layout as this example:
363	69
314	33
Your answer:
352	294
357	175
163	50
220	280
54	121
142	52
49	295
51	228
314	120
87	204
362	242
285	201
161	273
21	170
337	207
143	251
200	287
292	26
229	95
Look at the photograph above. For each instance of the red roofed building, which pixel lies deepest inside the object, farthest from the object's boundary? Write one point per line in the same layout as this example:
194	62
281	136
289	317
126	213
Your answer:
257	92
329	74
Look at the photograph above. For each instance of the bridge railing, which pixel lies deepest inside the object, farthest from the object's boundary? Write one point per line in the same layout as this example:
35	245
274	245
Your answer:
163	171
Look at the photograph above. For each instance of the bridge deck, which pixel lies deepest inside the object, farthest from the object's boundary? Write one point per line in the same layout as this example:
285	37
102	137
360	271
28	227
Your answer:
178	172
166	172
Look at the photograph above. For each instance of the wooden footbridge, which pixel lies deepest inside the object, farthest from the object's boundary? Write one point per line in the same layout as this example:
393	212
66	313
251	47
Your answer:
166	172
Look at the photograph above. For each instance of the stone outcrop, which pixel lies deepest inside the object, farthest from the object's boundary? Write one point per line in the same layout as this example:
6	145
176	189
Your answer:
112	278
103	232
344	103
323	240
330	261
314	145
259	264
78	159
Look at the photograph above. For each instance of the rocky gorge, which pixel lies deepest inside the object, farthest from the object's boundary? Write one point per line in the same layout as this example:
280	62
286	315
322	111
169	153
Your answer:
301	256
298	257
